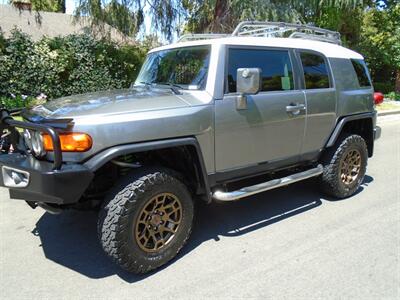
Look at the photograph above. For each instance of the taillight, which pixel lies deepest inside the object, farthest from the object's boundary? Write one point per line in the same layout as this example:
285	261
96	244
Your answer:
70	142
378	98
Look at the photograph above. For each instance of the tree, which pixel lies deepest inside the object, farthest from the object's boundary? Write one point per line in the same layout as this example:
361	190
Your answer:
224	15
380	42
48	5
128	15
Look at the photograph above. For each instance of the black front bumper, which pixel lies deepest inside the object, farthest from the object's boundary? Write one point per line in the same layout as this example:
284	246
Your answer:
46	185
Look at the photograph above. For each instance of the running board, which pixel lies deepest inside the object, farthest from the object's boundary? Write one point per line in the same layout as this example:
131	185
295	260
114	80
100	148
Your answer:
265	186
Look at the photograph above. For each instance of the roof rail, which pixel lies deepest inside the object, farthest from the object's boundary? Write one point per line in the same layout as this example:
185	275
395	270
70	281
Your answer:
290	30
201	36
272	29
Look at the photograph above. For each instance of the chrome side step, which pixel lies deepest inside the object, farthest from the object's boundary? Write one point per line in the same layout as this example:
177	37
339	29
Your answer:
265	186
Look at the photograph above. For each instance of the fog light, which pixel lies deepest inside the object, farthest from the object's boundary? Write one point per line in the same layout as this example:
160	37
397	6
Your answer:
15	178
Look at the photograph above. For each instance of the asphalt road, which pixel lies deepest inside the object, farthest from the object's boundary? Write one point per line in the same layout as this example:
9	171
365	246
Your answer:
289	243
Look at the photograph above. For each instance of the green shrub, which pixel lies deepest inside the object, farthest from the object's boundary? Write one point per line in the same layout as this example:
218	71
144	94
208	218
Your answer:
383	87
393	96
64	65
17	102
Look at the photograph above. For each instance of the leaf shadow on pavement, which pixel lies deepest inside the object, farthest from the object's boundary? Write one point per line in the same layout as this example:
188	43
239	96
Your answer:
70	239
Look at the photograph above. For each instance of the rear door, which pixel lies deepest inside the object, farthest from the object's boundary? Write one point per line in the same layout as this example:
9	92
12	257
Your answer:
271	129
320	93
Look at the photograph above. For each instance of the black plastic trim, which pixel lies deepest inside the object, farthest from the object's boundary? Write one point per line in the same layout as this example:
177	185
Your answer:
253	170
46	185
338	129
105	156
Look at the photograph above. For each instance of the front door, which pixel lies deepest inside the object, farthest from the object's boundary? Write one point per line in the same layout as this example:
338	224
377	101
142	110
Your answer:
271	129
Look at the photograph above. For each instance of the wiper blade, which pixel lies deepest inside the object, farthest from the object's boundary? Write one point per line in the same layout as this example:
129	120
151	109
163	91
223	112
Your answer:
174	87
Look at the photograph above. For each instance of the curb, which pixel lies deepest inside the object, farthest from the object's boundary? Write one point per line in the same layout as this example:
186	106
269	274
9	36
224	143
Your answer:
388	112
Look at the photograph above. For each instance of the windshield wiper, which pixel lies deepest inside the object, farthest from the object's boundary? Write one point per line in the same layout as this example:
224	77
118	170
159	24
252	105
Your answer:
147	84
174	87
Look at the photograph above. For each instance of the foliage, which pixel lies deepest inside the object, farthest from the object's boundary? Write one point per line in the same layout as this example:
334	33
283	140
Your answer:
224	15
383	87
393	96
380	42
128	15
14	102
65	65
49	5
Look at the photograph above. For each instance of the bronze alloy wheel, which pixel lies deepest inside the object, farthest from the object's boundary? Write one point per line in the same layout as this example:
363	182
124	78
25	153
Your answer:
158	222
350	166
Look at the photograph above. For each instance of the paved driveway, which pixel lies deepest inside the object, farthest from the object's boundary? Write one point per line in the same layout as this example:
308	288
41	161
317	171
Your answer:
287	243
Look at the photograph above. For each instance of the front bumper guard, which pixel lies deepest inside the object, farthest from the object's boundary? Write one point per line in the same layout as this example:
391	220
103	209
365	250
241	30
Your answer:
6	119
38	181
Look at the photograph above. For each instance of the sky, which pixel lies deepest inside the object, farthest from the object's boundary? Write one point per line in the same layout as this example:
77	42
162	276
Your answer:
70	6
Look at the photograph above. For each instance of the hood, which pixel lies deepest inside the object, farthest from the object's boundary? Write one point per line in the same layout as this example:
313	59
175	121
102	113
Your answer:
111	102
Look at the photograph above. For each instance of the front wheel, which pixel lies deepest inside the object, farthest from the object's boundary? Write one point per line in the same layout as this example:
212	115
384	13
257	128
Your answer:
345	166
147	220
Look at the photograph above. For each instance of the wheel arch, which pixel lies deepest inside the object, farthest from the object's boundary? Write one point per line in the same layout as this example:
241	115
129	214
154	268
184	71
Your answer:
361	124
185	149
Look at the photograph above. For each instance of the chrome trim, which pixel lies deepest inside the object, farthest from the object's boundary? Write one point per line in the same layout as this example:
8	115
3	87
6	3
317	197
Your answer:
265	186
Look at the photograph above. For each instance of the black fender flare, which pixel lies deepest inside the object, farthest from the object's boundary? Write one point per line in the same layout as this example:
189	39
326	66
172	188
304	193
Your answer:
107	155
339	126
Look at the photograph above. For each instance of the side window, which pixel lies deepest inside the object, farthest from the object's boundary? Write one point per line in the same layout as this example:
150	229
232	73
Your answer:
277	74
362	72
315	71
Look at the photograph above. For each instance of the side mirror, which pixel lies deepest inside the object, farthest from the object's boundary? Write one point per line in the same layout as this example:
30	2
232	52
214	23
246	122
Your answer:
248	82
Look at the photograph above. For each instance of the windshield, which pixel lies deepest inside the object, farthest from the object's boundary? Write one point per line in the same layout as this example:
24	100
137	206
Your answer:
185	67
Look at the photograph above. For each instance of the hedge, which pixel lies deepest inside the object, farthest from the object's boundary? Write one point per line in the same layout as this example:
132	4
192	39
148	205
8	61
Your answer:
63	66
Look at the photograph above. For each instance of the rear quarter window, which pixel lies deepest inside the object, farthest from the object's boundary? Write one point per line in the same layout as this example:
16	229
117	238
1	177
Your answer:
315	71
362	72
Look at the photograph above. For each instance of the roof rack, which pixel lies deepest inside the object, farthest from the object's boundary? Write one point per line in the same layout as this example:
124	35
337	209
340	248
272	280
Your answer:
273	29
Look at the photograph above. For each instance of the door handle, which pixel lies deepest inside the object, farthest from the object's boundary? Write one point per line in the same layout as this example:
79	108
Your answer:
295	108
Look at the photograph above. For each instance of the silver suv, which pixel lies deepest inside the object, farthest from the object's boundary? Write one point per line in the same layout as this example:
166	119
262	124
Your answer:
209	118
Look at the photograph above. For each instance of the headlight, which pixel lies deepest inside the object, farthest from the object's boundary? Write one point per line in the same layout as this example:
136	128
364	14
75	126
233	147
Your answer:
37	144
28	138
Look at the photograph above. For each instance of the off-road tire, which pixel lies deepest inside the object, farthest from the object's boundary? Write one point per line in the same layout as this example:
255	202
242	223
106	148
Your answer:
331	182
117	219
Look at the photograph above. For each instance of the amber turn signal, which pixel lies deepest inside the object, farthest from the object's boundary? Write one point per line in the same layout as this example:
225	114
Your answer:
70	142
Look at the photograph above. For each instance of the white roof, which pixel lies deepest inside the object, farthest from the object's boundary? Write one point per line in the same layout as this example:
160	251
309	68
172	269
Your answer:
328	49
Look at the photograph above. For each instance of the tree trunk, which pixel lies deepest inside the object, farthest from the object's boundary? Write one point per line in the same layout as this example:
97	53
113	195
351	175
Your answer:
219	12
397	85
61	6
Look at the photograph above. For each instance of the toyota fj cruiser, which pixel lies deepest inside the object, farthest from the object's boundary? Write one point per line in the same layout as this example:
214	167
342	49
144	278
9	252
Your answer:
270	104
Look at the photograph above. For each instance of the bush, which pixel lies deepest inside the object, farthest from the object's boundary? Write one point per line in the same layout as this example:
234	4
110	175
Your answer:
17	102
393	96
383	87
64	65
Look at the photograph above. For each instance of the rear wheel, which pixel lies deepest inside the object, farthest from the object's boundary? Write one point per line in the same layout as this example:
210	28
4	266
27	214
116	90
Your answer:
147	220
345	166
